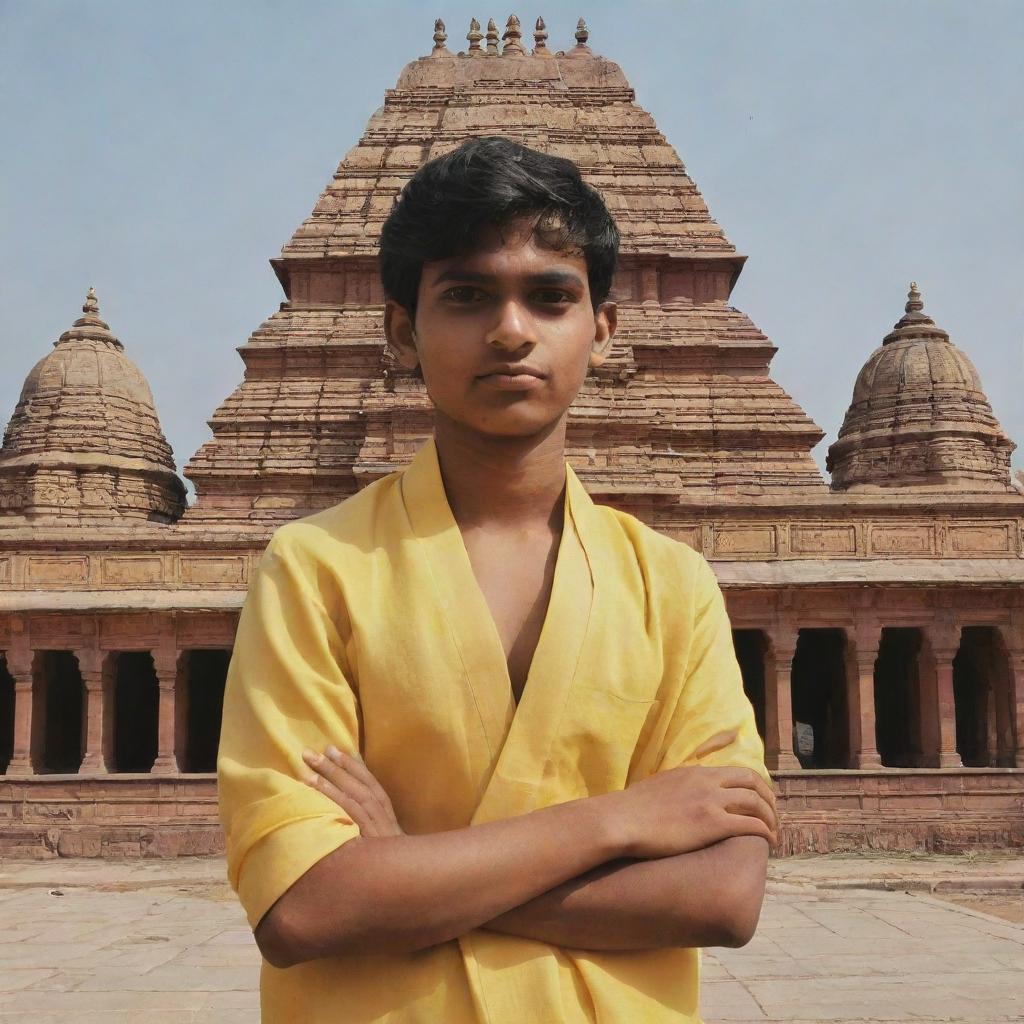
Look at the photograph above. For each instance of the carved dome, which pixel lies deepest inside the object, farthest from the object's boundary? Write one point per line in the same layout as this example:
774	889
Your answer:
85	441
919	417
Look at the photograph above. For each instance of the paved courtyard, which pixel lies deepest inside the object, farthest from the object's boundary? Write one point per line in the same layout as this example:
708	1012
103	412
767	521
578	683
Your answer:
165	942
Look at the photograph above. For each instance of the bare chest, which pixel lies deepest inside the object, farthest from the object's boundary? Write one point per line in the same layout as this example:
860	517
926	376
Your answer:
515	577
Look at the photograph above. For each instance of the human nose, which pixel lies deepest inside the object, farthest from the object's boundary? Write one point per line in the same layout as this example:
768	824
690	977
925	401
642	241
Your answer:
512	330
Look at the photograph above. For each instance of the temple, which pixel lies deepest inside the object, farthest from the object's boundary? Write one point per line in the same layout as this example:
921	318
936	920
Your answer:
878	618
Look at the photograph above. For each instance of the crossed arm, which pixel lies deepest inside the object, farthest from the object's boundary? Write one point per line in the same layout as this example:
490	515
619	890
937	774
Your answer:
599	873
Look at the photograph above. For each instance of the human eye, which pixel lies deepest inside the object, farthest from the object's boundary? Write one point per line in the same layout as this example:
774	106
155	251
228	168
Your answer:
464	294
553	297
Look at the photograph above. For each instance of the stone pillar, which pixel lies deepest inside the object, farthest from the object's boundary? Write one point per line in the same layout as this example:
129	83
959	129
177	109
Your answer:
166	668
97	719
778	700
944	640
21	756
862	653
1016	687
649	284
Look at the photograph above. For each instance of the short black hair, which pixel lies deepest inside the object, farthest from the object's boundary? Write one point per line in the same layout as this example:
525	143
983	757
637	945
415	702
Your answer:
492	182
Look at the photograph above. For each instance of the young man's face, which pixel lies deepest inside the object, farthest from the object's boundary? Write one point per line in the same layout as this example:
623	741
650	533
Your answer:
504	335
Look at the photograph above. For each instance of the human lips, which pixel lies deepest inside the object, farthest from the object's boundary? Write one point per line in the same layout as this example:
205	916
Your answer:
513	377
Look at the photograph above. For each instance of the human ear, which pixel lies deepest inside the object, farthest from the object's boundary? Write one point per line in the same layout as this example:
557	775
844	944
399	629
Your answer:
400	334
606	319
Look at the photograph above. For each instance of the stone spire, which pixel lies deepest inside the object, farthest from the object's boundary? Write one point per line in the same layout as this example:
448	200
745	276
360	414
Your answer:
440	39
581	49
683	411
919	418
512	38
492	38
474	35
90	325
540	39
84	443
914	320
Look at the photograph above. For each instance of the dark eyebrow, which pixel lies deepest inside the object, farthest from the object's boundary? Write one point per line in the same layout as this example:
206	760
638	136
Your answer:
545	279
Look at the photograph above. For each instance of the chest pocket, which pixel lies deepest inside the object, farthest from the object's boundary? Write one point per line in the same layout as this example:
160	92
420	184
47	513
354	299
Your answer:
598	737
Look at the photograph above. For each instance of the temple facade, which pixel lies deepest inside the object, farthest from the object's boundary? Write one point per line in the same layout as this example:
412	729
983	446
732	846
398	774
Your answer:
878	617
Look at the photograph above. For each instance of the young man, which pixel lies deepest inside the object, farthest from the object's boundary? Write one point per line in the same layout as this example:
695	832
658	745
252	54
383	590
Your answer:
486	754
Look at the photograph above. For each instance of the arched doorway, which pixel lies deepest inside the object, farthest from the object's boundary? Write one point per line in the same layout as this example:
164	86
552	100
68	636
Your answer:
981	692
898	698
206	672
136	712
58	734
6	715
751	647
820	719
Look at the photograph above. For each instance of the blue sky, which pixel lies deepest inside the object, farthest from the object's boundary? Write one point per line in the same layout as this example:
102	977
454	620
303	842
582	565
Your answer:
164	152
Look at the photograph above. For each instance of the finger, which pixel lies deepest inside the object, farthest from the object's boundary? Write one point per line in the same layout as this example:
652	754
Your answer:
340	780
347	765
751	803
356	767
748	778
345	801
746	825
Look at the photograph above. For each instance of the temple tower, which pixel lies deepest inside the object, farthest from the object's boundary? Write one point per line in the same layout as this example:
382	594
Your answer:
684	412
84	443
919	417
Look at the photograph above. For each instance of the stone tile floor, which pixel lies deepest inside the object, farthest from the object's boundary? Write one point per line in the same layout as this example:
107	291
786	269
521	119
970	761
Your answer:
166	942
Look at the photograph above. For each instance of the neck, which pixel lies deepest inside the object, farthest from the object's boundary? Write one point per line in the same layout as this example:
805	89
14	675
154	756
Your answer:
509	481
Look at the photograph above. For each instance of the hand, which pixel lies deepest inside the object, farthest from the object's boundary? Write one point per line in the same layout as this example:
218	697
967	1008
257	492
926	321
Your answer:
352	786
688	808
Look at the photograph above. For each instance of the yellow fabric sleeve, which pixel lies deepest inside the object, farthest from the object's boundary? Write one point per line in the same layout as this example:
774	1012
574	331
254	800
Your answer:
712	699
287	688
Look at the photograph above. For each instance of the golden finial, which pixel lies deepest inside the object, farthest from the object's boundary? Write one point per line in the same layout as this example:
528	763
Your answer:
440	37
91	304
914	301
540	39
512	37
474	35
582	34
492	38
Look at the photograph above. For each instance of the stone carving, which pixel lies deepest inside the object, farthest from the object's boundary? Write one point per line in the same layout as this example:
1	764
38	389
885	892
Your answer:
833	540
745	540
45	571
211	570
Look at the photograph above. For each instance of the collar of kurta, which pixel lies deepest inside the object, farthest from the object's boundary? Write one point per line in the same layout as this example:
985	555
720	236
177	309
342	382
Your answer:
519	737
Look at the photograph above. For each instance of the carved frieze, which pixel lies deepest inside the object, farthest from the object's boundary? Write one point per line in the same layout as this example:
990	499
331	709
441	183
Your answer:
754	539
57	570
981	538
214	570
902	540
822	539
131	571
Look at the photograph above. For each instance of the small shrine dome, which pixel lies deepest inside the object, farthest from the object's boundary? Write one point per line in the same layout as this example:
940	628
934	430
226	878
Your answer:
919	417
84	442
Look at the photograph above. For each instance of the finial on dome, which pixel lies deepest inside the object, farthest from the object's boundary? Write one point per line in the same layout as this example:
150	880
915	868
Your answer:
914	320
94	326
512	38
474	35
440	38
582	33
540	39
492	38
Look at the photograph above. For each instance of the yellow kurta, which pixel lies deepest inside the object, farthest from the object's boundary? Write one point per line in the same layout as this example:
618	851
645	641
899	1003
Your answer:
364	627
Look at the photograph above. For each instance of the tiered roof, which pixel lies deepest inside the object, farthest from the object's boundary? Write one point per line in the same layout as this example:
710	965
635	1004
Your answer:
84	443
684	410
919	418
